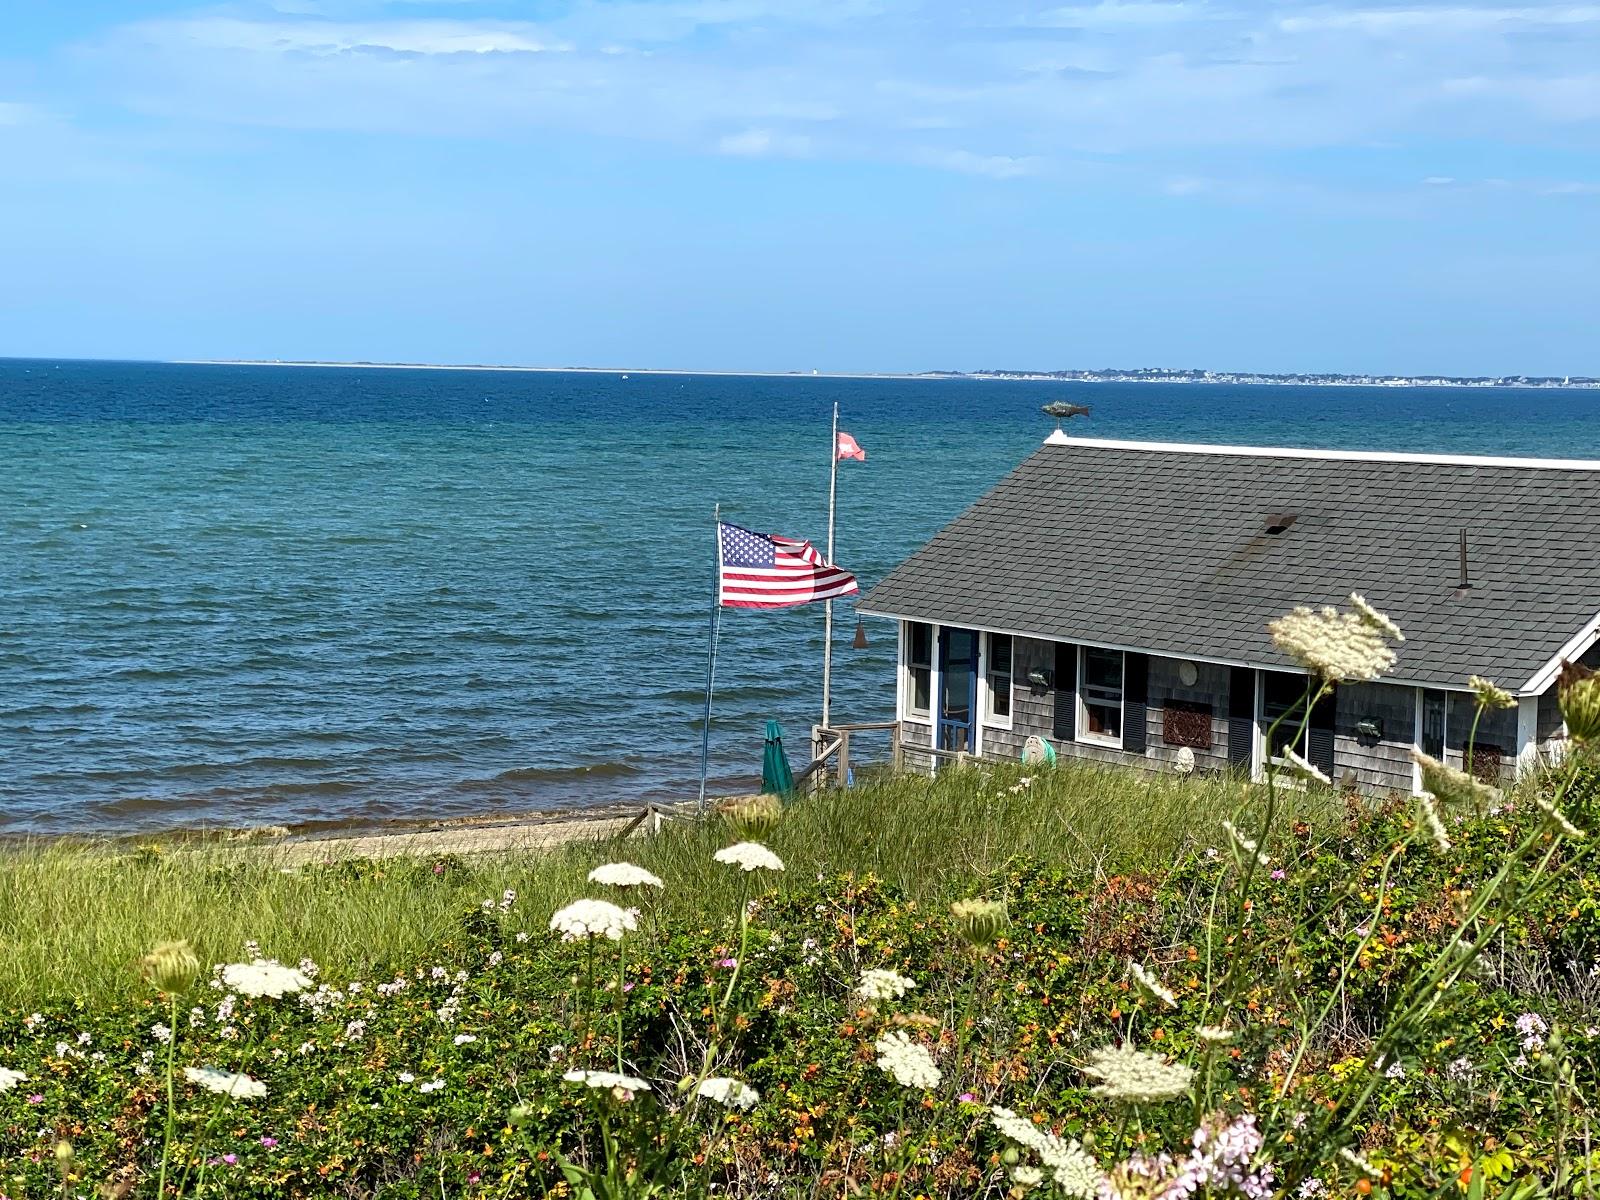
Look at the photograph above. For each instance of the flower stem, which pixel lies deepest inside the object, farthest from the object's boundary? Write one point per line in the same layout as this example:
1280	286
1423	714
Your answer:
172	1091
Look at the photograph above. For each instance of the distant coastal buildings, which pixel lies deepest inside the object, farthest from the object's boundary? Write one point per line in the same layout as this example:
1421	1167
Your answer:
1315	379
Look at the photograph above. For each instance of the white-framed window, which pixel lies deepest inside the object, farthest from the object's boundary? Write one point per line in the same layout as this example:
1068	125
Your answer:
916	691
1281	694
1100	696
997	652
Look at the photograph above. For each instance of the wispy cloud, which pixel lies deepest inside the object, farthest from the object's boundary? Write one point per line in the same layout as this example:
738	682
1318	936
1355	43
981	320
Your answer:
1009	90
1445	19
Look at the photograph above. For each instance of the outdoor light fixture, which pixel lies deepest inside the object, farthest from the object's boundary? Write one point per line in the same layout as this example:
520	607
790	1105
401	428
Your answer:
1370	727
1039	677
860	640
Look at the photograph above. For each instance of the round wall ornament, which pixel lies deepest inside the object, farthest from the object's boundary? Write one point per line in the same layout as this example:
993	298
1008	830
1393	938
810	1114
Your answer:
1188	673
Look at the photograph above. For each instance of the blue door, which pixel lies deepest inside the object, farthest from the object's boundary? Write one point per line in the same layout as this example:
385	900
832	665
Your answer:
958	688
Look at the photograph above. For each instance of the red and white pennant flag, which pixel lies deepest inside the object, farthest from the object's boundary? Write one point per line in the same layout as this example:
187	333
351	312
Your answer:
848	447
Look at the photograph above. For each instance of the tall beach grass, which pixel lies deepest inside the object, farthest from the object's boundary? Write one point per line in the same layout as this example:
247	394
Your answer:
73	918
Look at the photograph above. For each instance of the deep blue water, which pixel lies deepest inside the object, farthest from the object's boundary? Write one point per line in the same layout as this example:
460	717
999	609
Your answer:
246	595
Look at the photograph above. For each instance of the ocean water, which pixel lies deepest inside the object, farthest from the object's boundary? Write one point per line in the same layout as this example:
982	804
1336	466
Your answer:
329	596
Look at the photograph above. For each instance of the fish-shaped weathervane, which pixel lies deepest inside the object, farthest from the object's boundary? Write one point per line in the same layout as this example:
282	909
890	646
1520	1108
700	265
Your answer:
1061	410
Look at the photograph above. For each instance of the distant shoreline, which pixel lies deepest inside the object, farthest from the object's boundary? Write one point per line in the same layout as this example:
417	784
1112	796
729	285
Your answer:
1230	378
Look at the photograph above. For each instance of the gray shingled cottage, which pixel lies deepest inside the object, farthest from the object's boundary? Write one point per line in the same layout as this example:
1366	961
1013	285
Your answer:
1112	597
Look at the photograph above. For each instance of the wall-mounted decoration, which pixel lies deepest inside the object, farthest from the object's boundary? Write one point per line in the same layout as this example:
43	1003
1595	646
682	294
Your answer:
1486	763
1183	761
1186	723
1188	673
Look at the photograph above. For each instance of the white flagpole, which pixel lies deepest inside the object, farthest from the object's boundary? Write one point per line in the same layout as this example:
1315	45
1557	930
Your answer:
827	605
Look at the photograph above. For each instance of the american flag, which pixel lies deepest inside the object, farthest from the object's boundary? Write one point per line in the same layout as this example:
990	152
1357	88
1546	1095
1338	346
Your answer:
758	570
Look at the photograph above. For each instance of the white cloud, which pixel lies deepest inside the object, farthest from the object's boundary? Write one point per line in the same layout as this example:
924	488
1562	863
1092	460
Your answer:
336	37
1151	83
1446	20
1113	13
994	166
763	143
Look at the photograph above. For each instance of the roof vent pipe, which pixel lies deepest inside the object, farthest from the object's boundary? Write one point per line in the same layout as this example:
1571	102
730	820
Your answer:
1465	584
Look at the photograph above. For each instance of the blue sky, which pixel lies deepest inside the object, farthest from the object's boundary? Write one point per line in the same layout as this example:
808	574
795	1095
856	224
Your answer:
1386	185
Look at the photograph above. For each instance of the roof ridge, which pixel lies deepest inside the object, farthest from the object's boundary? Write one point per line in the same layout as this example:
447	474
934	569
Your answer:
1059	438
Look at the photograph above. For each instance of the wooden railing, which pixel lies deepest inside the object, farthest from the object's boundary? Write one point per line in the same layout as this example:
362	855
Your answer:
830	744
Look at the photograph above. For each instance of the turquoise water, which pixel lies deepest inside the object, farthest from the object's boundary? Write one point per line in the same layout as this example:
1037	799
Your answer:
245	595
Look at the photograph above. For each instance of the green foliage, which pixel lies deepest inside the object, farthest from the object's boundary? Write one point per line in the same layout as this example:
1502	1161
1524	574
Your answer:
442	1004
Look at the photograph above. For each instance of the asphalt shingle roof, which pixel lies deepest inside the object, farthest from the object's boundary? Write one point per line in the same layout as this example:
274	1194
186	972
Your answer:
1164	549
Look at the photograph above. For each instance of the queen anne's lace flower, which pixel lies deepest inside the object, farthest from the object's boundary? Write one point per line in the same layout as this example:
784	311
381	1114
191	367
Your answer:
264	977
1491	694
1429	808
1027	1177
623	875
1359	1162
1215	1034
607	1080
907	1062
226	1083
878	984
1075	1172
1136	1075
1151	984
1450	785
729	1093
1337	646
1304	767
749	856
1246	846
1374	618
593	918
1558	817
9	1078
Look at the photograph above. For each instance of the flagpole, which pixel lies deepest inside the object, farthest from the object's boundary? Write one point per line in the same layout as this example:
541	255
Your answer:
827	605
711	655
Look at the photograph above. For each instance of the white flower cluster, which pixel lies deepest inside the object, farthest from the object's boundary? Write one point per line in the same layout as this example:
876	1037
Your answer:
593	918
1335	645
1532	1027
749	856
907	1062
10	1078
226	1083
1359	1162
1151	984
1215	1034
264	977
1558	818
607	1081
624	875
1449	785
729	1093
1126	1073
1429	808
876	985
1245	845
1304	767
1075	1172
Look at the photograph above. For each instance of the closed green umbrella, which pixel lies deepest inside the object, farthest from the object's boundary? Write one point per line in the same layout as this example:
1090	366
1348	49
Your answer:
776	777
